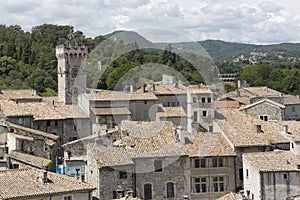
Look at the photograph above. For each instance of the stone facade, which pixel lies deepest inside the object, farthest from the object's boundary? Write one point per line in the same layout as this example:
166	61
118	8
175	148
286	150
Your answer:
265	110
71	72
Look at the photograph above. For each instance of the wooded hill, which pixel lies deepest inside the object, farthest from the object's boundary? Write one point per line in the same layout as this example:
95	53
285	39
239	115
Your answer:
27	60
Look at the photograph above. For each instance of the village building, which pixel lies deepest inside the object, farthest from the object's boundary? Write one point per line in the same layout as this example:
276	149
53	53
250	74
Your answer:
245	133
271	175
35	184
29	141
266	110
250	95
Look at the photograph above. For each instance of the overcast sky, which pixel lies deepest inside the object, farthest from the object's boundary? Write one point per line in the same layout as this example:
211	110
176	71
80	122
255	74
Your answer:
247	21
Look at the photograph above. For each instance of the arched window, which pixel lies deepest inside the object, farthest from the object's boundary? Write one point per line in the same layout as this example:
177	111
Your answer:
147	191
170	190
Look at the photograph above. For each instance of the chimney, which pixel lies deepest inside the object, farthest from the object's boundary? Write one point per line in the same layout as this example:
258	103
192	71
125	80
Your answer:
131	89
180	135
258	128
43	176
99	141
239	84
238	93
286	129
33	92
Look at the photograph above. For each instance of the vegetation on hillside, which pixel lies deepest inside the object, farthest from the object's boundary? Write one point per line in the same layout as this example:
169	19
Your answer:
27	60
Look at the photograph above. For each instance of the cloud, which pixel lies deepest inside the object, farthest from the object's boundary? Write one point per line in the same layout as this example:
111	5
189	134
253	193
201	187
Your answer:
256	21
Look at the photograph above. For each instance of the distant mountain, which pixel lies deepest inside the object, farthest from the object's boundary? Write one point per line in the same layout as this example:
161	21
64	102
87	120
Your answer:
219	50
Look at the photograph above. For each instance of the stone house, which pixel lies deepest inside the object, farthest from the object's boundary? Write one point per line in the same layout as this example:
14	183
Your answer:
138	105
292	107
75	155
271	175
33	184
249	95
245	133
212	170
20	160
30	141
265	109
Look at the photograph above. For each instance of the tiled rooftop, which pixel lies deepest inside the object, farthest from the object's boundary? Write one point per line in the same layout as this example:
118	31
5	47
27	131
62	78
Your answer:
110	111
260	91
291	100
106	95
168	89
24	183
276	160
109	156
293	129
29	130
32	160
151	139
200	89
19	94
175	111
263	101
209	144
230	196
226	103
45	110
241	130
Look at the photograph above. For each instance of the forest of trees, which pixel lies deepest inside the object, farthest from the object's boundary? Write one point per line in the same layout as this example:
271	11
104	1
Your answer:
27	60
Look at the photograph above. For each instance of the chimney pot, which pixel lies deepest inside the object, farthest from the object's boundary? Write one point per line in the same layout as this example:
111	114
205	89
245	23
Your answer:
286	129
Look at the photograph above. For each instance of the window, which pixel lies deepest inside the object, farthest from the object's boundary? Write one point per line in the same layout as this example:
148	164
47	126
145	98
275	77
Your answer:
218	184
194	99
56	123
203	163
147	191
203	99
204	113
68	197
15	166
208	100
170	190
241	174
146	114
196	163
122	175
285	176
217	162
200	185
247	173
195	116
263	117
292	145
293	109
157	165
48	122
145	102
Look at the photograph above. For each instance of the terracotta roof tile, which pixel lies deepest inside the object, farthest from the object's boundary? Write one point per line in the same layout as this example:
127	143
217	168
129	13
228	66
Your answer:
29	130
241	130
293	128
175	111
151	139
24	183
19	94
276	160
269	101
291	100
106	95
32	160
209	144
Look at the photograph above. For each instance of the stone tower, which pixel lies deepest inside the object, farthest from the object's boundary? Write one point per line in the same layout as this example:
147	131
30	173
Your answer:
71	72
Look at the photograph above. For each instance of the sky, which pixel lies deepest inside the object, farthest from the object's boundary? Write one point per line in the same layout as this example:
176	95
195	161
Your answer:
245	21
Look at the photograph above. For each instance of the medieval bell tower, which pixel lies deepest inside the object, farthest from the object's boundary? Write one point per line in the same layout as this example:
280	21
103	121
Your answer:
71	71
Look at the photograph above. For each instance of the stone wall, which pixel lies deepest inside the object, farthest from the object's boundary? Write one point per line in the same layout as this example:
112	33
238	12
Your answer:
266	109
